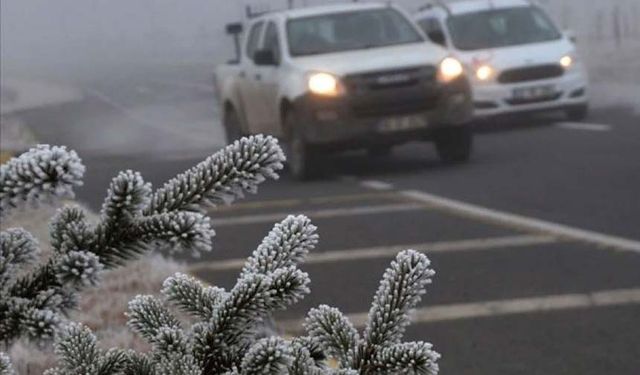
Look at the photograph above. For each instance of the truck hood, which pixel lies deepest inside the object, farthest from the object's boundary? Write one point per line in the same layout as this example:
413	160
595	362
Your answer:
518	56
374	59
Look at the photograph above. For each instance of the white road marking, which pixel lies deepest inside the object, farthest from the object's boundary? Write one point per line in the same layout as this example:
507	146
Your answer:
524	222
318	214
584	126
377	185
478	244
530	305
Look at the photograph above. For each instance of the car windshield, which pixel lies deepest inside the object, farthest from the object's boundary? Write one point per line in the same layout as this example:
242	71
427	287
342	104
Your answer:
349	31
501	28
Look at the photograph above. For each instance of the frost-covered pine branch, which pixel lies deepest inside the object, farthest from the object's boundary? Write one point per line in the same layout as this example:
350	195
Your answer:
133	220
224	336
5	365
78	353
221	178
38	175
380	351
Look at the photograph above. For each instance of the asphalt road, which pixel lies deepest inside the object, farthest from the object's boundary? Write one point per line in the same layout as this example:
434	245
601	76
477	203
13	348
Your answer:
536	241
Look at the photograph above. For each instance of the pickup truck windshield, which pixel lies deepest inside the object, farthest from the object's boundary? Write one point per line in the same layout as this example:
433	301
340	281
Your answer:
501	28
349	31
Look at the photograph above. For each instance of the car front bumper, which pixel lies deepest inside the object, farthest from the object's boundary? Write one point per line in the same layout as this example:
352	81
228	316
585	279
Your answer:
493	99
349	122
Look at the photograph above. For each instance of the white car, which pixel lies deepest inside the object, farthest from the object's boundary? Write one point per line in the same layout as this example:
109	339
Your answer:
337	77
517	59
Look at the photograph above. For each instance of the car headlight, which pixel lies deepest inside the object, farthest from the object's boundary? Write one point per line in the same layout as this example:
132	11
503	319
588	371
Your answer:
324	84
484	72
450	69
566	61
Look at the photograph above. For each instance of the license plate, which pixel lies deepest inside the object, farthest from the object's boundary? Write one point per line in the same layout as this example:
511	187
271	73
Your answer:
394	124
535	92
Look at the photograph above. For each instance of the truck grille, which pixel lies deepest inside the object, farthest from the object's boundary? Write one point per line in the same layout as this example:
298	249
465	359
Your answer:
392	92
531	73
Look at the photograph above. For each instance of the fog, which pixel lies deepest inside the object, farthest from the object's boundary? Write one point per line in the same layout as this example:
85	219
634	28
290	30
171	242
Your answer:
63	37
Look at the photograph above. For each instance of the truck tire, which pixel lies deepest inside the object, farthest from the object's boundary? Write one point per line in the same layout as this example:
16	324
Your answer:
301	158
577	113
454	144
232	125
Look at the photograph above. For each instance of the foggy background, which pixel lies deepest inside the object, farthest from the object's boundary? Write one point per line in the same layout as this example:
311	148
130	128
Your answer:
67	38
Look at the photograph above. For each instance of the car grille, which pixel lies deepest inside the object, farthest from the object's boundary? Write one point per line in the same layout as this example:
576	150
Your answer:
551	98
392	92
531	73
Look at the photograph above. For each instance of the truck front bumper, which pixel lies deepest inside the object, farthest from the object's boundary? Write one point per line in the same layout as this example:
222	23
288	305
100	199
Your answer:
350	121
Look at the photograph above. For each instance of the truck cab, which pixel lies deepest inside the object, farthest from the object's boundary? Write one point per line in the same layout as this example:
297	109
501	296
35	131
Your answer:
339	77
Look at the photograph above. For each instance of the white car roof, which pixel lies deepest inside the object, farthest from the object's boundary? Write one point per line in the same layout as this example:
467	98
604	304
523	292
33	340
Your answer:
470	6
328	9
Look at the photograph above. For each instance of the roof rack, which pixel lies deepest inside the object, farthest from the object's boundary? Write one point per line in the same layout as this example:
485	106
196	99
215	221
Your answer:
251	13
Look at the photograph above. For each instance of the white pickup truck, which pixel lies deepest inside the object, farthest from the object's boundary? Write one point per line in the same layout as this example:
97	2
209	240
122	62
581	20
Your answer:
339	77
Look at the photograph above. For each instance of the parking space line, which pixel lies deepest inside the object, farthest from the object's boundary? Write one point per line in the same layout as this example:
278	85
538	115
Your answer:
283	203
584	126
376	185
319	214
531	305
524	222
477	244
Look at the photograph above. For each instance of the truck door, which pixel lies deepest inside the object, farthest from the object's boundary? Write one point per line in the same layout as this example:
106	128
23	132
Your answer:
267	82
248	84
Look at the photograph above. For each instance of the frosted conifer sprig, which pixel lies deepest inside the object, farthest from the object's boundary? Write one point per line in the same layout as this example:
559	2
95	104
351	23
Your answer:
188	294
127	196
5	365
132	221
223	177
268	356
288	243
17	247
38	175
78	353
380	351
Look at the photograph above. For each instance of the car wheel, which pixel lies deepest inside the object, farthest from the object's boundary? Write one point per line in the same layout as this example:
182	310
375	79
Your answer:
577	113
232	126
454	144
300	156
379	151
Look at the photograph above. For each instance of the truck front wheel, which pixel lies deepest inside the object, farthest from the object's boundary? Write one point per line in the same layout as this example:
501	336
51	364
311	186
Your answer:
232	125
301	158
454	144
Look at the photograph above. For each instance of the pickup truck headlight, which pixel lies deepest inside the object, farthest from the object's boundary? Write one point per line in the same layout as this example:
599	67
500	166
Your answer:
324	84
566	61
450	69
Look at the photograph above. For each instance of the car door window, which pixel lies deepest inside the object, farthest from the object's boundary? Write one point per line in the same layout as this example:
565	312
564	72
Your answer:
254	39
272	42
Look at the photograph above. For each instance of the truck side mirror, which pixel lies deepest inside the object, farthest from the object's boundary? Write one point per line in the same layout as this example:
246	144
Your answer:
265	57
438	37
234	28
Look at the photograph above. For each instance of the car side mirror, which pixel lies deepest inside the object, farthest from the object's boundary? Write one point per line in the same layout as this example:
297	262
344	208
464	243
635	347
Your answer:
437	37
265	57
571	35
